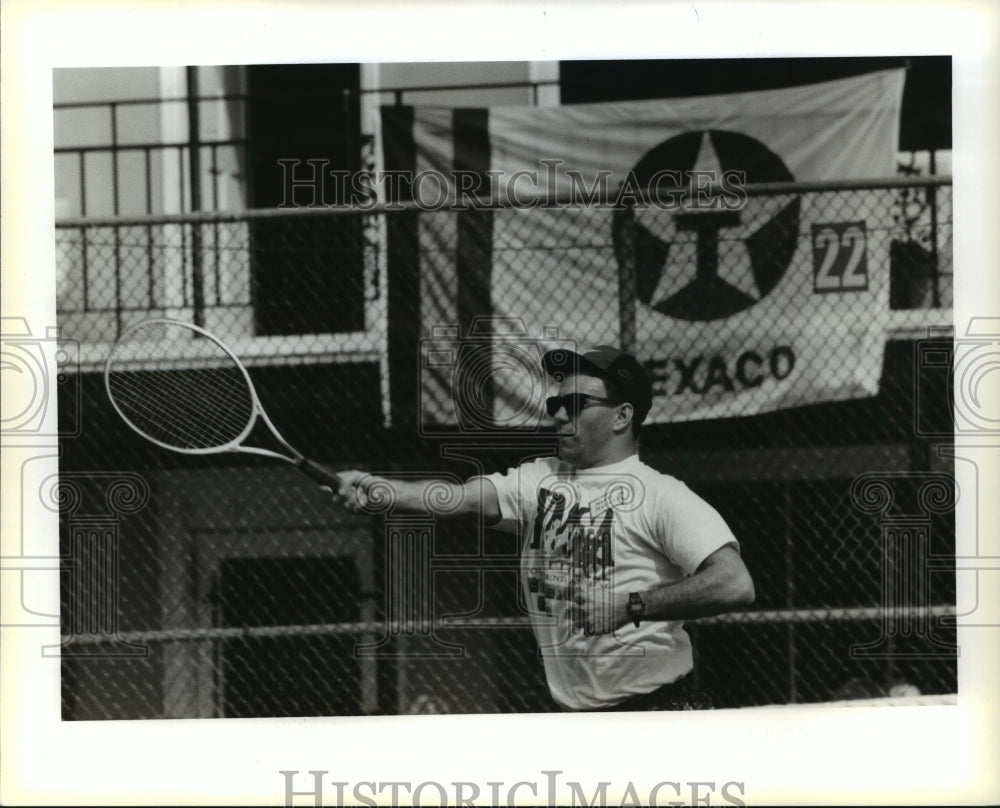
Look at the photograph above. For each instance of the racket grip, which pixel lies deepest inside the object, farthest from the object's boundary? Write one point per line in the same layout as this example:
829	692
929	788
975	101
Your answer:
318	473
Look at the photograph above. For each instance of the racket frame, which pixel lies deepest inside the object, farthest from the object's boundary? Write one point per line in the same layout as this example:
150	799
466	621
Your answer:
257	409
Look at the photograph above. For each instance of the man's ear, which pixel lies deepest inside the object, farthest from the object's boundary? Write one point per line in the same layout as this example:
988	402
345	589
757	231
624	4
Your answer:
623	420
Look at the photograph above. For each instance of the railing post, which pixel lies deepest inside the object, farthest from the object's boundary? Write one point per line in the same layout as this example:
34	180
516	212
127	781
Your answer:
117	212
932	203
194	173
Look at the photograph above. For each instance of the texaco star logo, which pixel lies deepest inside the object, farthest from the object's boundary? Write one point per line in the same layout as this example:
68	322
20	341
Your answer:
699	263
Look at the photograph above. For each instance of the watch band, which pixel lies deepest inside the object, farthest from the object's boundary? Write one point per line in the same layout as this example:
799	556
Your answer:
636	607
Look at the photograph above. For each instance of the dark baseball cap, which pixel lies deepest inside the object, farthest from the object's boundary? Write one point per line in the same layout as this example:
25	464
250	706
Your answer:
621	370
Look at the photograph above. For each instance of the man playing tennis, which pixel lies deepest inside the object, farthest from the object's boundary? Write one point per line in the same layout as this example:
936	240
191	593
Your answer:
615	555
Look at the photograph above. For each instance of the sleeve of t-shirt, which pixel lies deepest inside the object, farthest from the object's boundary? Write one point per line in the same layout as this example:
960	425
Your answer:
507	485
517	491
689	529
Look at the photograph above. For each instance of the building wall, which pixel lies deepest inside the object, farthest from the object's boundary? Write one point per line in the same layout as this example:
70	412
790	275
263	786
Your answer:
224	180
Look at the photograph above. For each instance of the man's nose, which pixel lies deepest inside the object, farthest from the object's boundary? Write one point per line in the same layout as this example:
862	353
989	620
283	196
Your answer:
560	416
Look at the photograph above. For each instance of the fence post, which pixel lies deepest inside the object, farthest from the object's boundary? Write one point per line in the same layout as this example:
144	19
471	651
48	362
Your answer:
627	286
194	173
932	202
403	276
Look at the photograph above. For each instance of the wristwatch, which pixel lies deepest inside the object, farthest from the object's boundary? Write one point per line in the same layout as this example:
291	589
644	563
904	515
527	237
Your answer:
636	608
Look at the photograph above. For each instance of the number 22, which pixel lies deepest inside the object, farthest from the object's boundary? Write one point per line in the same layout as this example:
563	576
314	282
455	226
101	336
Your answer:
852	238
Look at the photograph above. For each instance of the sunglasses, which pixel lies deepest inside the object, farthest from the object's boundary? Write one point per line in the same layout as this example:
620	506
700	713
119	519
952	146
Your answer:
573	403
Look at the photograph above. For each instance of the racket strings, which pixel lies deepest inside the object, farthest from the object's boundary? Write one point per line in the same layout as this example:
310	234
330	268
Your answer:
188	409
205	406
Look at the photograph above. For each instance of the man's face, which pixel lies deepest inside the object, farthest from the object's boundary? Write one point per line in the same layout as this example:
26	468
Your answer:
582	439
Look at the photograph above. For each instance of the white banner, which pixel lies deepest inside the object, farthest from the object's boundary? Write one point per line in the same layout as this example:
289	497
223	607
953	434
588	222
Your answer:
737	304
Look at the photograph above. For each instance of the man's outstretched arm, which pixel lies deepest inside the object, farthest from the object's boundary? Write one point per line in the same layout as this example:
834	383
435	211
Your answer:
361	492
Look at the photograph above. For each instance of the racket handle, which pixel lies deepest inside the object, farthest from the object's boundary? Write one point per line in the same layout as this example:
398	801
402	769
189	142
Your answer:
318	473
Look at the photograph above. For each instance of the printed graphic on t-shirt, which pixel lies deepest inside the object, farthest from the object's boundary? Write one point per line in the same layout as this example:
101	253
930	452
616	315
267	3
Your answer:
619	528
573	545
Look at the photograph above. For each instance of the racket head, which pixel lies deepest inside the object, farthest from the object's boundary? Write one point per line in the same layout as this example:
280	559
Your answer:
180	387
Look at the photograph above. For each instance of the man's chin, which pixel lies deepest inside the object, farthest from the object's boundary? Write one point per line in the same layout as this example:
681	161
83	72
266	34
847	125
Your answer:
566	452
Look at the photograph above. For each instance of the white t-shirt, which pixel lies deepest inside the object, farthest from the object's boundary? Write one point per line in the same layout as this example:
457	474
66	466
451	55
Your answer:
619	528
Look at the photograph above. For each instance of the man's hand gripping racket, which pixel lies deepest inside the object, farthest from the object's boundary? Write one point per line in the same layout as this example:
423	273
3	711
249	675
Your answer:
182	388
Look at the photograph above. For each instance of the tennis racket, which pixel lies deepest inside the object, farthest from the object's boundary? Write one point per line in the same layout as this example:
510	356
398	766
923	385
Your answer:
182	388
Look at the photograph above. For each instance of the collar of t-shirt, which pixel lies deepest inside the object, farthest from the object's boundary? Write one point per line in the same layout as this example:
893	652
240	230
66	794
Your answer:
619	465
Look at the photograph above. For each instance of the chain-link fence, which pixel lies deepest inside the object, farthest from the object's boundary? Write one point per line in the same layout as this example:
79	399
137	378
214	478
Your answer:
221	585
